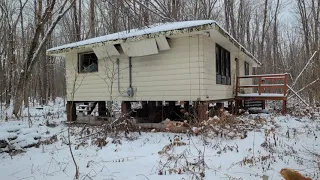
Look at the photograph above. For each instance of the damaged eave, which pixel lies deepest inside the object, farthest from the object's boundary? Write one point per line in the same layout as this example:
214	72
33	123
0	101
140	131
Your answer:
87	46
134	38
168	33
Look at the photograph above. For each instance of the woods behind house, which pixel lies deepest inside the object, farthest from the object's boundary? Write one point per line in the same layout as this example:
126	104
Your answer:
283	35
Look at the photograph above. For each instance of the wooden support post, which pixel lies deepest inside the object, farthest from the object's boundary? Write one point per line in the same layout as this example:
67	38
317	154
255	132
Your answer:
259	86
284	106
202	108
285	83
237	85
220	105
71	111
187	106
125	107
284	103
102	109
263	104
152	111
236	108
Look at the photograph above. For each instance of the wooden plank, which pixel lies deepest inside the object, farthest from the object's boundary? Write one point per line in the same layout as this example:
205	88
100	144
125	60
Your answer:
264	75
261	98
162	43
106	51
140	48
263	85
275	78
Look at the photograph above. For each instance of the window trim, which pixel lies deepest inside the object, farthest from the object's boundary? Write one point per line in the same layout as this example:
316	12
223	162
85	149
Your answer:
223	65
79	59
246	68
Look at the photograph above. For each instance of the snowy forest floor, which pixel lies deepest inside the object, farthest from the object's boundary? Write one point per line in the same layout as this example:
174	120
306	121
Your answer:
280	142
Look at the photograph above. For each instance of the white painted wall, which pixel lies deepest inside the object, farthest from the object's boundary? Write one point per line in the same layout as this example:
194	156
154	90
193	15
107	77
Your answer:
172	75
184	72
215	91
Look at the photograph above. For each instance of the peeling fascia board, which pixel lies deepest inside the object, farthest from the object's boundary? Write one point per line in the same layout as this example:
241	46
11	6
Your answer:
136	38
165	34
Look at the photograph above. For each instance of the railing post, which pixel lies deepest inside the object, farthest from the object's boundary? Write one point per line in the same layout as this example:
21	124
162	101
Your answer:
285	82
259	86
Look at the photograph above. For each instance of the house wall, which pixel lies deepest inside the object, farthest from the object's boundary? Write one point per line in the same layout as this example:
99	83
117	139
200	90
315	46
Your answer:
246	81
187	71
215	91
171	75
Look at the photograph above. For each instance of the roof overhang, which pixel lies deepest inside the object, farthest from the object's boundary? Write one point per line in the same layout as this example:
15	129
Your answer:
157	37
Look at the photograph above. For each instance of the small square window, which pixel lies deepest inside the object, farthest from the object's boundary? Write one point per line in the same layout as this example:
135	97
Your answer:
87	62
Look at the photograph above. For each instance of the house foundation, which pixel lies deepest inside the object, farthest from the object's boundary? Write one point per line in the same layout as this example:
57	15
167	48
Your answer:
97	113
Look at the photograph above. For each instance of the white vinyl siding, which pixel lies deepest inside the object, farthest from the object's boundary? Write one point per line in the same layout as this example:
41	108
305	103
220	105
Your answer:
172	75
214	91
187	71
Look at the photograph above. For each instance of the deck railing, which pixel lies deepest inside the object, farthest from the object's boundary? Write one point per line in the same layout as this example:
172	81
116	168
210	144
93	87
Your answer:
264	84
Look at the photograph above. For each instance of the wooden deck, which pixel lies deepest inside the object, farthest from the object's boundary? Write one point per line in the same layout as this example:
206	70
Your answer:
264	87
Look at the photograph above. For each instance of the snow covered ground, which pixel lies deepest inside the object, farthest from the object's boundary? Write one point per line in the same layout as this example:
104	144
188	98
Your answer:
283	142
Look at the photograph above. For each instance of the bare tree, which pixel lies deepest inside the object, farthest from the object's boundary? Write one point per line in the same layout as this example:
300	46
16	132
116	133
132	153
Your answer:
92	19
35	48
282	47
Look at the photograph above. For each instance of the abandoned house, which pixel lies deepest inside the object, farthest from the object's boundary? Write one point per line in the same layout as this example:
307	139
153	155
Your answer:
192	62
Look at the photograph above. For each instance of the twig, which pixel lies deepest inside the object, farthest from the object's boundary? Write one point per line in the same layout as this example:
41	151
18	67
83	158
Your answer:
298	95
313	153
18	172
254	137
143	176
304	87
295	81
28	177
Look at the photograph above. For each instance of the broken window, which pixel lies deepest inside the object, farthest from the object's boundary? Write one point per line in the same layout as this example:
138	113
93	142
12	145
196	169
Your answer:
87	62
223	74
246	68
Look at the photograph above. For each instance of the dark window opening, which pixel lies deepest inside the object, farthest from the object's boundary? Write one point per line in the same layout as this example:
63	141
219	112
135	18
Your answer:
87	62
246	68
223	74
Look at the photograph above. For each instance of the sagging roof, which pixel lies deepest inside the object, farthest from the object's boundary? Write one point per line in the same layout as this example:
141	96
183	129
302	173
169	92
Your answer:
153	31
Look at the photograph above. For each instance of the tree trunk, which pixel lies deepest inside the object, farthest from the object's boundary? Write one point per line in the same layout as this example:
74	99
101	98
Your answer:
92	19
35	49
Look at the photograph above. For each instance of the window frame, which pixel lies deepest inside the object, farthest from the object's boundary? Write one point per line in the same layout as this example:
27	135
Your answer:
223	65
79	63
246	68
